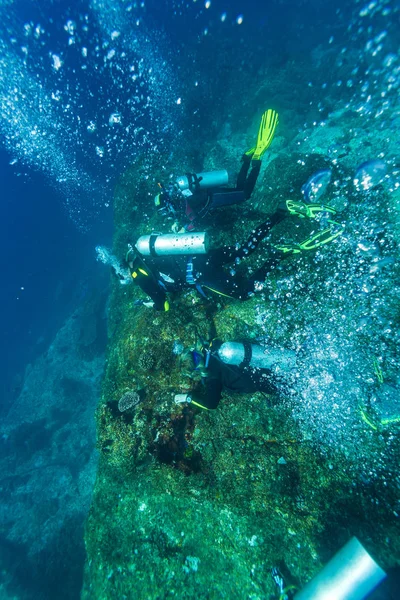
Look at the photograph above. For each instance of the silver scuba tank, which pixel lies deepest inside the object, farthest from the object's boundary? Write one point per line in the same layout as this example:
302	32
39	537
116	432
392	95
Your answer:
351	574
258	357
208	179
172	244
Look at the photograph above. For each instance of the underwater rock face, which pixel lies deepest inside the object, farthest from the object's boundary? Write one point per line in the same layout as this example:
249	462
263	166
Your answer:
48	463
202	504
205	503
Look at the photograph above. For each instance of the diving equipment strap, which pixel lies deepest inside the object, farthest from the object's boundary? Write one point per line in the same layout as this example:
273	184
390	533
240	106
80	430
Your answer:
247	355
189	271
152	243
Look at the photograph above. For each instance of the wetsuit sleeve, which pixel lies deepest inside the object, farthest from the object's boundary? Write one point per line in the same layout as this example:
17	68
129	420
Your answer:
212	396
212	388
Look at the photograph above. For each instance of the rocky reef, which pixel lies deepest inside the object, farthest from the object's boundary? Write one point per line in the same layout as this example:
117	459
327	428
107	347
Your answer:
48	461
202	504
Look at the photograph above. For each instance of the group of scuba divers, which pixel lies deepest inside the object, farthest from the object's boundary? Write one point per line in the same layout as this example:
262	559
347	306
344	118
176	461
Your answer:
164	263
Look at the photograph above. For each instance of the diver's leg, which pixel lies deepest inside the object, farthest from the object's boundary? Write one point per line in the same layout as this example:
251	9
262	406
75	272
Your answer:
228	254
244	169
246	181
274	258
252	178
242	288
266	132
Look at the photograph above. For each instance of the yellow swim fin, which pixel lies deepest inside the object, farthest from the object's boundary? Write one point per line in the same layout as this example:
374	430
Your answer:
269	122
250	152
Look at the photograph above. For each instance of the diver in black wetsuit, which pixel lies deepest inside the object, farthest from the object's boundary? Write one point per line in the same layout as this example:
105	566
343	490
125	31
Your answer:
240	367
157	275
192	196
170	270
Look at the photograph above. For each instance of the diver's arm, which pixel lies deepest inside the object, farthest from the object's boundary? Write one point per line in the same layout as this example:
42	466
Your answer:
209	400
213	394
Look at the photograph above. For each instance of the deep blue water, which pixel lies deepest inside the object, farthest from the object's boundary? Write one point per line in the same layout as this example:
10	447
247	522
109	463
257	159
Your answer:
48	266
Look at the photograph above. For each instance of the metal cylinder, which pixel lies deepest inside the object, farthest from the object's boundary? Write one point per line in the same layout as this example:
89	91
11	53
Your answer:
171	244
182	398
350	575
258	357
208	179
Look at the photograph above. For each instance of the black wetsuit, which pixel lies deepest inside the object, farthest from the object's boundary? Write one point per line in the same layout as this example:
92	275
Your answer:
158	275
203	201
190	206
233	378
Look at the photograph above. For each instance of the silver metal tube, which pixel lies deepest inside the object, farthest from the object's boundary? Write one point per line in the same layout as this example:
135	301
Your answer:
171	244
233	353
350	575
208	179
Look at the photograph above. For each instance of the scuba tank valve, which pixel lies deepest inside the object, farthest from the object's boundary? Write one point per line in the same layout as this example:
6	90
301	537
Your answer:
171	244
258	357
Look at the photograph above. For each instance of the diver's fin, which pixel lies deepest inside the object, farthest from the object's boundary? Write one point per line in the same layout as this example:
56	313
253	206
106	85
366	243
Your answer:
303	209
323	237
315	240
290	248
269	122
250	152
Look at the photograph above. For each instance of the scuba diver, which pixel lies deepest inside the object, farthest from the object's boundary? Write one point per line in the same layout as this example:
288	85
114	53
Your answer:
169	263
192	196
240	367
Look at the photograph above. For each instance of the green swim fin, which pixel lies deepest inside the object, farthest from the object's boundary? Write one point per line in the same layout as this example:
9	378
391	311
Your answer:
302	209
315	240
